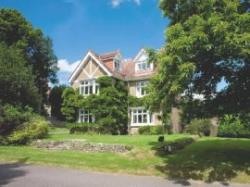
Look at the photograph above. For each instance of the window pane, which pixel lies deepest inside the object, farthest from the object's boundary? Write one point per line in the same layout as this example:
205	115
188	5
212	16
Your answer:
90	118
145	118
86	90
86	118
139	118
150	118
134	118
96	89
90	89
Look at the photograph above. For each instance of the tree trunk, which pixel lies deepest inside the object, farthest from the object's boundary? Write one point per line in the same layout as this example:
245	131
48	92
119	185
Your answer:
175	120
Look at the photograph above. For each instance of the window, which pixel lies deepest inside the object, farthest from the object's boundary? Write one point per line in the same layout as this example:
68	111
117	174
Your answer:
85	116
88	87
140	116
117	64
142	65
141	88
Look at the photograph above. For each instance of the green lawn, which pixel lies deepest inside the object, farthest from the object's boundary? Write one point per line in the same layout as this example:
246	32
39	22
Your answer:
209	159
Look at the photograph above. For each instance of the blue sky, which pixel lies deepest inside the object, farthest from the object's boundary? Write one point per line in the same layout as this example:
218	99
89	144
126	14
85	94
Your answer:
102	25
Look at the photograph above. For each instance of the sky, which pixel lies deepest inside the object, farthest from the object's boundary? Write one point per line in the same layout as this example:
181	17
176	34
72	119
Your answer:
75	26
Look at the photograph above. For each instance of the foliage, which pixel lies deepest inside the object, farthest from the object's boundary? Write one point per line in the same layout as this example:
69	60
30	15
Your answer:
55	101
17	85
199	127
207	42
233	126
136	102
11	117
69	104
109	107
16	31
36	128
152	130
88	128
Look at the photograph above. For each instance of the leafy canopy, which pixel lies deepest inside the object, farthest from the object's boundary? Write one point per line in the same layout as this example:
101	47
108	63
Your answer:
17	85
16	31
207	43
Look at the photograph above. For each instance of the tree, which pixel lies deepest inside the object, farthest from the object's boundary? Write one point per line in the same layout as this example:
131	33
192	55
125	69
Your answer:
208	42
110	107
16	31
55	101
17	85
70	105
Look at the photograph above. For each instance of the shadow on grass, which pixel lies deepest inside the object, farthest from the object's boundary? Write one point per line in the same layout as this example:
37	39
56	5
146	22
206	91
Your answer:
208	159
10	171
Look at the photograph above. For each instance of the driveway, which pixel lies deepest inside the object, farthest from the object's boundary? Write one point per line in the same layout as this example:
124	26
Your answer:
20	175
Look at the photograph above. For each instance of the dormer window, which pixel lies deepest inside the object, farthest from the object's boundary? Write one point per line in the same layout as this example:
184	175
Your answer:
117	64
88	87
143	66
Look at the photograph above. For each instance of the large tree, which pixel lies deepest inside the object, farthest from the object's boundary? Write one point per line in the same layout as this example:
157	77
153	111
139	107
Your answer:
56	101
17	85
207	52
16	31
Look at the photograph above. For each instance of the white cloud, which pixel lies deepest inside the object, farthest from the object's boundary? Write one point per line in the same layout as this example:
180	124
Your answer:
65	70
65	66
116	3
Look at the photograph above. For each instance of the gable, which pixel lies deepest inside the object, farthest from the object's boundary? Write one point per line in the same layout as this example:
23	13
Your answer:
89	67
141	56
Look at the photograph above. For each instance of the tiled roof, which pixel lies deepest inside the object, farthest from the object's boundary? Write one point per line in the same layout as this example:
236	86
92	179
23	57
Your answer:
109	55
127	69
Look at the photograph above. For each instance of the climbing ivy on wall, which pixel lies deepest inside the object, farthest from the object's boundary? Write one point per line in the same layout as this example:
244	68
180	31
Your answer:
110	106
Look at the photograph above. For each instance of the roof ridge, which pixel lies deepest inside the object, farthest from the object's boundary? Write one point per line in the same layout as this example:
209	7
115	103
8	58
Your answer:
110	52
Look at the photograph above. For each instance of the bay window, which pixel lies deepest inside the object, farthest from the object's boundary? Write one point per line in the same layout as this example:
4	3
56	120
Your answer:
85	116
140	116
88	87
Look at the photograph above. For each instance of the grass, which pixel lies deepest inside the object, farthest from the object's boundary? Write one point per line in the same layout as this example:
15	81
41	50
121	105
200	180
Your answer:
208	159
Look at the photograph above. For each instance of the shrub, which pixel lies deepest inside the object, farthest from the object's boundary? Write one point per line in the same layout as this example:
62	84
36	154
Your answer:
36	128
11	117
85	128
233	126
152	130
200	127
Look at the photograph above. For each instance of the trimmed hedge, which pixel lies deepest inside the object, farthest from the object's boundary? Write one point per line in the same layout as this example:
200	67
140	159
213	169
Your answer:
85	128
152	130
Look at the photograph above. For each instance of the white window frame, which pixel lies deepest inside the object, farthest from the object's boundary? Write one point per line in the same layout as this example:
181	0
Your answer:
85	116
143	65
140	88
87	85
140	116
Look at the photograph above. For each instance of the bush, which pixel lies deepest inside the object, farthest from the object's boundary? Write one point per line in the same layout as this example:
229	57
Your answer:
36	128
11	117
152	130
85	128
233	126
199	127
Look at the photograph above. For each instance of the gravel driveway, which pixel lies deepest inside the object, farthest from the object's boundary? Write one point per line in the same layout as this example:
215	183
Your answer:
20	175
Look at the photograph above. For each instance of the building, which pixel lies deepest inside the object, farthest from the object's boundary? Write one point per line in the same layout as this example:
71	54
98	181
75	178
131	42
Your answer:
135	72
